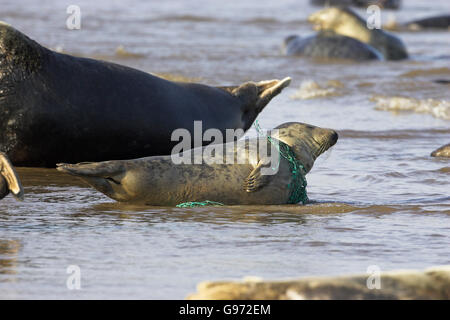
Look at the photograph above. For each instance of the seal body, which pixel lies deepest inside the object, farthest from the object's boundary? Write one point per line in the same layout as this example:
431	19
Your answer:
388	4
56	107
438	22
443	151
327	45
159	181
346	22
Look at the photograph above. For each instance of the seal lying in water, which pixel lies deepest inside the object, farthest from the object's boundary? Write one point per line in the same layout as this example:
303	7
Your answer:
60	108
345	22
443	151
328	45
158	181
9	180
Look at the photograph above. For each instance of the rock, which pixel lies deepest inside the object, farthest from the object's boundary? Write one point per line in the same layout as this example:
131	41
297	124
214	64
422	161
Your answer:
432	283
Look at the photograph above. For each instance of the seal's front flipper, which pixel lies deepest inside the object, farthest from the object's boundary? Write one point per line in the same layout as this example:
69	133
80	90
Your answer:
257	179
104	176
9	180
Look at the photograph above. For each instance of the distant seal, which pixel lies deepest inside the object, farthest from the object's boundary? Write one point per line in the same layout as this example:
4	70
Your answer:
346	22
328	45
437	22
158	181
60	108
388	4
9	180
443	151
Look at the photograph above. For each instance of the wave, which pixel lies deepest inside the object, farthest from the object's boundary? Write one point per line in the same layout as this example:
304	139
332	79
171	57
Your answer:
437	108
406	134
310	89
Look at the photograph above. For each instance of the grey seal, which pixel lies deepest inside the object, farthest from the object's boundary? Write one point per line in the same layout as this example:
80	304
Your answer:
158	181
60	108
328	45
346	22
436	22
388	4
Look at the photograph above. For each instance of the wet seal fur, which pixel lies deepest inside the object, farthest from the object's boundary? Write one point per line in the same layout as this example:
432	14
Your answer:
328	45
60	108
158	181
443	151
346	22
9	180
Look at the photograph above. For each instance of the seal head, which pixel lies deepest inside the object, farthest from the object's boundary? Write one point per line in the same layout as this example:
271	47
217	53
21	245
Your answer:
346	22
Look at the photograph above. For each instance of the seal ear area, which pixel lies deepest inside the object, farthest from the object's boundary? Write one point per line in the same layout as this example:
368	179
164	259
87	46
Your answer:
9	175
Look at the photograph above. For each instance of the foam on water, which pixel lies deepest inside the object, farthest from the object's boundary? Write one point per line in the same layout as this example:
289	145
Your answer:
437	108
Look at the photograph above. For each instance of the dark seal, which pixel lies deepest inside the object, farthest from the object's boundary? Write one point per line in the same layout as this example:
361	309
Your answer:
327	45
60	108
437	22
388	4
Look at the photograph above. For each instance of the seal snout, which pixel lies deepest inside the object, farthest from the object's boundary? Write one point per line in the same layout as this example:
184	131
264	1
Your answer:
334	137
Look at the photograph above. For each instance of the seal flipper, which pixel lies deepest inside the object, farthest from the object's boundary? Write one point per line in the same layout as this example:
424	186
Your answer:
9	175
256	180
93	169
105	176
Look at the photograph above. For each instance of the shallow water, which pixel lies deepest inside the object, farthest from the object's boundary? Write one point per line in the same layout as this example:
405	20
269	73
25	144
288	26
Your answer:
377	198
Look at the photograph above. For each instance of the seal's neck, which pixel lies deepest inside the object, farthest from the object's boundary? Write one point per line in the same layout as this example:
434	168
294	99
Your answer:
305	148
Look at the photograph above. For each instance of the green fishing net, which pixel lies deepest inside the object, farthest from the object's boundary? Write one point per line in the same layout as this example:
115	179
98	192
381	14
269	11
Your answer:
297	185
199	204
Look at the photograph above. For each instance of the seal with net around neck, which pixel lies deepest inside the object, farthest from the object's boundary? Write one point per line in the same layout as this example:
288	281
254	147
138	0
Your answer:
158	181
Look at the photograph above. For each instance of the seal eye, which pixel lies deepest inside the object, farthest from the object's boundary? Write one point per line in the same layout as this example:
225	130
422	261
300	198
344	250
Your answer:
112	180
